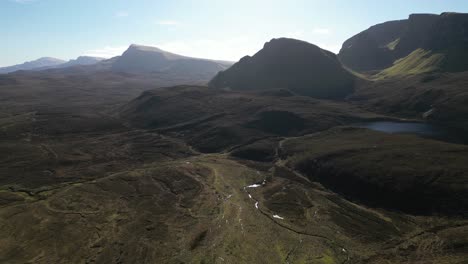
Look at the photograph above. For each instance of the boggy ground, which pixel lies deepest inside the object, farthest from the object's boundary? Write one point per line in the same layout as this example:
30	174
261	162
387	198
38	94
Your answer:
201	209
84	187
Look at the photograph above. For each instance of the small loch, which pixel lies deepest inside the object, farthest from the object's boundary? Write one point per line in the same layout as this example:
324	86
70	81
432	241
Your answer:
426	130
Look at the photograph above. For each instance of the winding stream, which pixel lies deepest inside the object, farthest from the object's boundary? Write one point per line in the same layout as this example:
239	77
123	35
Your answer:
257	185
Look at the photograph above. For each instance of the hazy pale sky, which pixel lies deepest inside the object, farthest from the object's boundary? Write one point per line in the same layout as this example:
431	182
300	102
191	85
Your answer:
216	29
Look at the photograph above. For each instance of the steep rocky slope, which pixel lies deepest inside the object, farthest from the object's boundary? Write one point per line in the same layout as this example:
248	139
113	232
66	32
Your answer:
383	45
301	67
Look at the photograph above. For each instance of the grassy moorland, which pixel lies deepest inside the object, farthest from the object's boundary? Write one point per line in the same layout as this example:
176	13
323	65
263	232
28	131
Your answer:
400	172
437	97
98	166
417	62
79	186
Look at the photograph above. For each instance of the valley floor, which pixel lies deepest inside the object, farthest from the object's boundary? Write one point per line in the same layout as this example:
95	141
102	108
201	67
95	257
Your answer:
80	188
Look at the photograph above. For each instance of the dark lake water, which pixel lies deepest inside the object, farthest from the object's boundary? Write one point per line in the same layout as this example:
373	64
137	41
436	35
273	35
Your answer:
426	130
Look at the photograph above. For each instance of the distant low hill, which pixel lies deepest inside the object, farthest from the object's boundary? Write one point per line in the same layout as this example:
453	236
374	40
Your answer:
420	44
212	119
150	60
93	84
291	64
51	63
33	65
82	60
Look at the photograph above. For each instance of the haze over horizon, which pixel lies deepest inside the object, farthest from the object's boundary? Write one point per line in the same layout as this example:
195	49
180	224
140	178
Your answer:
224	30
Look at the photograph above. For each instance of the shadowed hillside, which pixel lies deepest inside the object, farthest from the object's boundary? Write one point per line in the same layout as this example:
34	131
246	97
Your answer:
413	68
143	59
214	120
383	45
397	172
291	64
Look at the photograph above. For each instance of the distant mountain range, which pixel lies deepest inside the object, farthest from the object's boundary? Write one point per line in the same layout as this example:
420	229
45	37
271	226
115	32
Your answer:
50	63
82	60
33	65
137	59
151	60
422	43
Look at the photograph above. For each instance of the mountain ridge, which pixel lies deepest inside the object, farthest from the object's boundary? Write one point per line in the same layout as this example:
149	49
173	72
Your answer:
381	45
45	63
34	64
152	60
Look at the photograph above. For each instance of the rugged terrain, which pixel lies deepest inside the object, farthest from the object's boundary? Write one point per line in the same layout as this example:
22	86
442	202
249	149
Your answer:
438	41
130	160
298	66
154	184
414	68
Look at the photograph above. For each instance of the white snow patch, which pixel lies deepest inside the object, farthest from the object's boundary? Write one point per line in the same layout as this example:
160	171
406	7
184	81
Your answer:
278	217
256	205
254	186
250	196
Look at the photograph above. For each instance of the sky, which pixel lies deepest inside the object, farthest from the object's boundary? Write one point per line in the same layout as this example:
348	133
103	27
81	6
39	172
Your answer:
214	29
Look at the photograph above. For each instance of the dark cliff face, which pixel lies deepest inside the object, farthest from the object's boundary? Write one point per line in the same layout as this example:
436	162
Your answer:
367	50
381	45
296	65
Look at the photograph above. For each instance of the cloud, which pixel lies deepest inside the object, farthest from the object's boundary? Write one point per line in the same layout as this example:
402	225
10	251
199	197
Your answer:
106	52
322	31
231	49
121	14
168	22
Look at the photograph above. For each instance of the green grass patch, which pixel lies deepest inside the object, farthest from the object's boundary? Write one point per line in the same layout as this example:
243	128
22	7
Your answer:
418	62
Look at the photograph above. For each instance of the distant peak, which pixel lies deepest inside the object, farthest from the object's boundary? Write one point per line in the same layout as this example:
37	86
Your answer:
286	43
447	14
285	40
89	58
421	16
144	48
135	46
48	59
